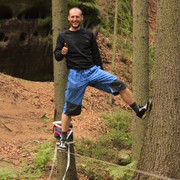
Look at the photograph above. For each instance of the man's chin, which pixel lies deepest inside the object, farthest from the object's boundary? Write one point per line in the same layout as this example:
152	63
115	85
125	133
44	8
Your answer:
76	27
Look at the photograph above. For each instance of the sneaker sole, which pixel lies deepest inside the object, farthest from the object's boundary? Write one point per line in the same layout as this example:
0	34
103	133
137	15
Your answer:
148	110
61	149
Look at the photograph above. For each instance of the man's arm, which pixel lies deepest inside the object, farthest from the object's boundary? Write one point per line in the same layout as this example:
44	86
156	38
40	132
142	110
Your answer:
95	52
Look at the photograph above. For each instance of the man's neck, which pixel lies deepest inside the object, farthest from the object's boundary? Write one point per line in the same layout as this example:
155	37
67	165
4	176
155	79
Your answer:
74	29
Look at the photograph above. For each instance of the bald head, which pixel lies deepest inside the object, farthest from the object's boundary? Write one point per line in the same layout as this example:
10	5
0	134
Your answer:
75	9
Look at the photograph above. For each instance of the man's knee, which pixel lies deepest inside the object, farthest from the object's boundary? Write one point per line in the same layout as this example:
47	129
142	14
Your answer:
118	86
72	109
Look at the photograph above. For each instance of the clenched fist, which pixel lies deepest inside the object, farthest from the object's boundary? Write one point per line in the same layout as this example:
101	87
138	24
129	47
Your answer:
64	50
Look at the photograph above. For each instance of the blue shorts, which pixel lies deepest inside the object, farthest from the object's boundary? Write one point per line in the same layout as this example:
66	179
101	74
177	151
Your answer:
77	82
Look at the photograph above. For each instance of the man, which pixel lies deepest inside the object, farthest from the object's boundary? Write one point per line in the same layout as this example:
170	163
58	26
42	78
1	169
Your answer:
79	47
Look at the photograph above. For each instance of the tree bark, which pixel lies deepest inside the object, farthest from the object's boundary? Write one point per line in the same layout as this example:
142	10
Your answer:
62	163
114	45
59	23
140	69
160	153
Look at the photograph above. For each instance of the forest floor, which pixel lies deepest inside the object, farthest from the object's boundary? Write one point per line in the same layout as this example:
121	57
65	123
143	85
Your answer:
24	103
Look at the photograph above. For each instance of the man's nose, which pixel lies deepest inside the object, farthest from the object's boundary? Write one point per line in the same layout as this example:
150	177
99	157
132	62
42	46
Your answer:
75	18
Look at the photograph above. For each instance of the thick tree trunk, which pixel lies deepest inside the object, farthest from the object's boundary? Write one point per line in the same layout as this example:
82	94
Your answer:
59	19
161	149
140	69
62	164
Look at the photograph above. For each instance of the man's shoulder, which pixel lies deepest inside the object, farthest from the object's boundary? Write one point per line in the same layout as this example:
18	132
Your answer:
64	32
89	31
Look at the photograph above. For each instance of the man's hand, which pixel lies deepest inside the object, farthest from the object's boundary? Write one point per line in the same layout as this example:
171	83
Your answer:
64	50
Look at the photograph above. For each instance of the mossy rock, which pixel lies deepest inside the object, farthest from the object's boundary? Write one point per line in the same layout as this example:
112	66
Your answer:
124	157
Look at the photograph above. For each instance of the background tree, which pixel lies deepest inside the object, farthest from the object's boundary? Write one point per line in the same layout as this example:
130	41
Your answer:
160	152
59	23
140	68
114	44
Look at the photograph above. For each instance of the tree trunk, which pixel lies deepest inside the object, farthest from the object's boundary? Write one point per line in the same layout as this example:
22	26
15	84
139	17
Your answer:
161	148
62	163
59	23
140	69
114	45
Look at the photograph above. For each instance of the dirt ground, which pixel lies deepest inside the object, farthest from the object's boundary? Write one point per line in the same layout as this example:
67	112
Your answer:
24	103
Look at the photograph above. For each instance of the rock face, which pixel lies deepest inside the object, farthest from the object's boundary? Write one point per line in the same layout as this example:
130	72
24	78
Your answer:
25	39
26	36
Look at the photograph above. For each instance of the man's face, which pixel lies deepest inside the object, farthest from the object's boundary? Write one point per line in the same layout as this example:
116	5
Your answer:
75	18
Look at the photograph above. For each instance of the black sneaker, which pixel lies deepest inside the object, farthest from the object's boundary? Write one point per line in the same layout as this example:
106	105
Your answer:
63	145
144	109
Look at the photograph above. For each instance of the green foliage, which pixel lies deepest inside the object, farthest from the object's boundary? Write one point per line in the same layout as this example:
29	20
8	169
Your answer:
116	173
124	173
100	170
119	123
30	171
107	146
95	149
105	27
91	169
43	156
8	174
124	28
125	18
46	118
118	137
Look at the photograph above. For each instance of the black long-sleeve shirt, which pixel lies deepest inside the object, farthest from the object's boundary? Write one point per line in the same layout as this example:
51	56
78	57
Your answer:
83	51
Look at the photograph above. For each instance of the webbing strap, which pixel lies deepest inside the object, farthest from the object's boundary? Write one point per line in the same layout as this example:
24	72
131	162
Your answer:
70	131
68	162
68	159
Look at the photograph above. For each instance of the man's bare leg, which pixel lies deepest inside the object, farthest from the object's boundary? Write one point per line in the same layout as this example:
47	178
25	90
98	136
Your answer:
65	122
127	96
